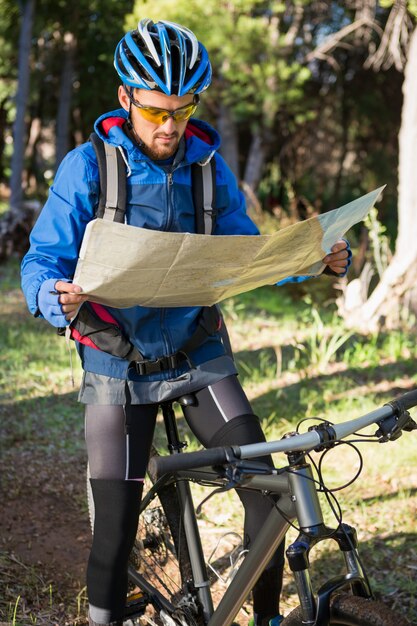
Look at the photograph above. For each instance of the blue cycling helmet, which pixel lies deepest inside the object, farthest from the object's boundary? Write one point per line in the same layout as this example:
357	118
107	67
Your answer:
163	56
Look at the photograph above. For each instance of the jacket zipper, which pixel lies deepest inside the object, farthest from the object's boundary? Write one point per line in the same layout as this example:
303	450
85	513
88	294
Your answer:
170	210
165	335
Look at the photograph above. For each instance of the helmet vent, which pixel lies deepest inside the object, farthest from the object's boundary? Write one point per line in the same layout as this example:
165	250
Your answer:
163	56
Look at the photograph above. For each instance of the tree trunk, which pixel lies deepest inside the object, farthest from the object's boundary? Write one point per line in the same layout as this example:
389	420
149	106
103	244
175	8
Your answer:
22	95
406	244
65	96
256	160
344	125
3	126
253	171
33	175
229	146
398	285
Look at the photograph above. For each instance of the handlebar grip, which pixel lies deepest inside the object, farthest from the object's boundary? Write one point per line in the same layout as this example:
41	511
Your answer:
159	465
407	400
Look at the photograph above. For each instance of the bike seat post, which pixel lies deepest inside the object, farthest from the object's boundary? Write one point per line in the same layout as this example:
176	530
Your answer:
175	445
185	499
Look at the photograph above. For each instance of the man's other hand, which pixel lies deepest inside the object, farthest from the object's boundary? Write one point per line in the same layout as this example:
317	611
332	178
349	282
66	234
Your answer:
339	259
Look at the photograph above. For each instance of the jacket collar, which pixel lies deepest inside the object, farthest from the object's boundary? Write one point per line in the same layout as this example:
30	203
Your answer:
201	140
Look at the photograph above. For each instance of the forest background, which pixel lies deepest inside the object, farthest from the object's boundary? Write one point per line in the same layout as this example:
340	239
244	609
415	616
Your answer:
316	103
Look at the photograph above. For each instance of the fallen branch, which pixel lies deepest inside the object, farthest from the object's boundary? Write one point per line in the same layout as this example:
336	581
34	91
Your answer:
15	227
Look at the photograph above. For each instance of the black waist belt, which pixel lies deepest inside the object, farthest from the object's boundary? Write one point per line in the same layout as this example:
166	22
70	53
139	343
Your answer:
209	323
160	364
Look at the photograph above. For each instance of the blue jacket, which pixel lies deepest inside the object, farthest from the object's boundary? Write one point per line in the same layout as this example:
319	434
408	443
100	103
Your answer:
157	200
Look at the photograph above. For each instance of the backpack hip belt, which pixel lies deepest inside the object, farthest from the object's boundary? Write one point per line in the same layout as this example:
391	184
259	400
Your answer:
210	322
97	329
160	364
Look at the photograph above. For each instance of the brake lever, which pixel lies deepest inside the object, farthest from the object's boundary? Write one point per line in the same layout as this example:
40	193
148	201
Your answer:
411	425
391	428
235	474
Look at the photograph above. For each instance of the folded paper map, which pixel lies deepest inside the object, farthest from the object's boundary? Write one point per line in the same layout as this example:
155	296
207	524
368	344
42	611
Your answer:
123	266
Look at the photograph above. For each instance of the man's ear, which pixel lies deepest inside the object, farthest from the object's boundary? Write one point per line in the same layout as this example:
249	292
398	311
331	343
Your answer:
123	98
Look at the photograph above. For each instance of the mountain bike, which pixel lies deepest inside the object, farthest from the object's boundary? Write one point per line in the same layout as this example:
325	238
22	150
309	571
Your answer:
173	582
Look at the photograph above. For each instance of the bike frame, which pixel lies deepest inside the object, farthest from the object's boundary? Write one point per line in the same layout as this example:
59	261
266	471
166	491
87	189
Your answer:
295	490
297	500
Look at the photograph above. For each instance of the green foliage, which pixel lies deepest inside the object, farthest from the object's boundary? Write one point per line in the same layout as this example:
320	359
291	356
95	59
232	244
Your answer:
368	351
379	241
254	72
264	368
96	37
26	370
8	58
305	115
8	78
269	302
412	7
322	344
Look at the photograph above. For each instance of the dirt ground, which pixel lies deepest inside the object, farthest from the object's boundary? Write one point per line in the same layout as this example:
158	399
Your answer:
45	538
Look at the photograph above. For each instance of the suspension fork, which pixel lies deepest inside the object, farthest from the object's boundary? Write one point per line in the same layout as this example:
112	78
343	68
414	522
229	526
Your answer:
197	560
313	530
310	518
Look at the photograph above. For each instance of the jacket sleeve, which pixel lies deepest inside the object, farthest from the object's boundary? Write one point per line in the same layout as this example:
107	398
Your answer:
231	218
57	235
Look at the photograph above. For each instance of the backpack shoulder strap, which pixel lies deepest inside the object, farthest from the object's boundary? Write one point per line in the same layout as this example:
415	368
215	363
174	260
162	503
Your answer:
203	180
112	173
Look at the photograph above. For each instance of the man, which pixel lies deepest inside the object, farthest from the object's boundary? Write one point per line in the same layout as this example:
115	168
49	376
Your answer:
163	69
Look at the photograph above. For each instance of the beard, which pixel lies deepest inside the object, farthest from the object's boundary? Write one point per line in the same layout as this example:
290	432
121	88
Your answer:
157	151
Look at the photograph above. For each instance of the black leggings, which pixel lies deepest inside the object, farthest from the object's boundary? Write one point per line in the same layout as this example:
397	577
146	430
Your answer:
112	454
222	415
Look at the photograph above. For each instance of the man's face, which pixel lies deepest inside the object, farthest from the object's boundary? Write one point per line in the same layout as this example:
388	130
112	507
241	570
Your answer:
159	141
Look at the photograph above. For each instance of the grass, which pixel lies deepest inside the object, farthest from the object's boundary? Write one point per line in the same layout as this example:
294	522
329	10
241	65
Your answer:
41	446
293	363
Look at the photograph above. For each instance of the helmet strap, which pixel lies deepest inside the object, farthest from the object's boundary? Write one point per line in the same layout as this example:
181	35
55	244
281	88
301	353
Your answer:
129	122
136	136
133	133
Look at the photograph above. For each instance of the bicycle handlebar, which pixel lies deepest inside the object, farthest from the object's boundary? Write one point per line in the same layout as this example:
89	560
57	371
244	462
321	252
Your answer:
295	442
407	400
192	460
